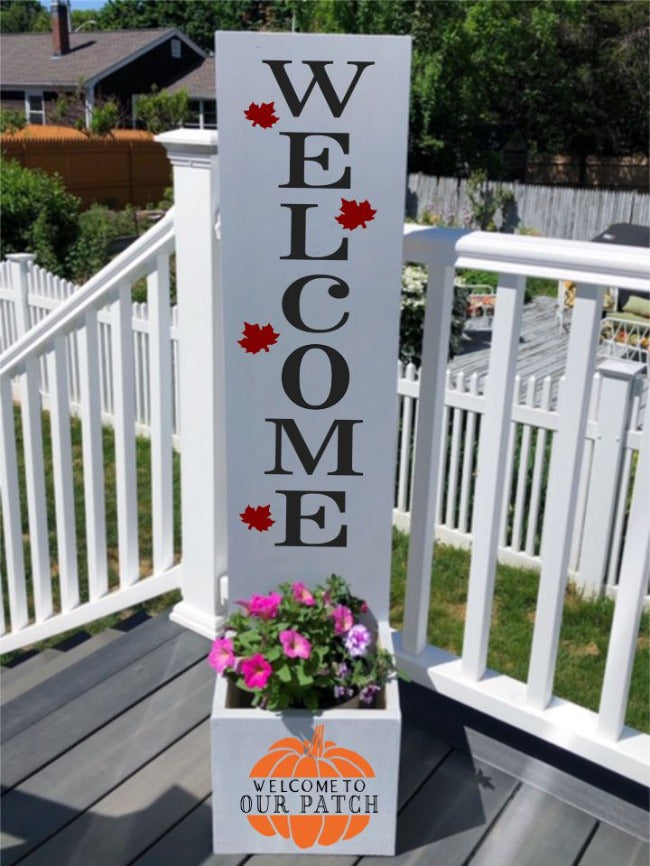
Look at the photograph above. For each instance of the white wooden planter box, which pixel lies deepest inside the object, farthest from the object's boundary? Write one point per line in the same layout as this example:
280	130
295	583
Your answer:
342	803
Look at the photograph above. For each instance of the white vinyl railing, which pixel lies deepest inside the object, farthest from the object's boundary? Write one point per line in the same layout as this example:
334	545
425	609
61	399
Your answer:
434	488
533	424
48	594
600	737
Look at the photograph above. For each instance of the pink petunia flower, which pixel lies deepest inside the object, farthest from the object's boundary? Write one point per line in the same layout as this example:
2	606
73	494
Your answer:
302	594
265	606
256	671
221	654
357	640
294	645
343	619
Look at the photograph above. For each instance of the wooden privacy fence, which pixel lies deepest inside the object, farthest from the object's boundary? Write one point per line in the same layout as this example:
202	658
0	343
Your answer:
553	211
112	171
608	467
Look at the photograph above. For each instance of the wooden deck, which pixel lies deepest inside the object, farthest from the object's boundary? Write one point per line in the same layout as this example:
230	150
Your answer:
106	762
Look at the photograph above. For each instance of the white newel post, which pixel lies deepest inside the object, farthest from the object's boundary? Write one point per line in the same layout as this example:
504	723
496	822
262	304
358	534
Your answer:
616	391
20	264
193	155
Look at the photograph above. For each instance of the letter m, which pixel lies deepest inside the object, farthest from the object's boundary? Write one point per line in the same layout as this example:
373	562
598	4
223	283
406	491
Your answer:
320	78
343	431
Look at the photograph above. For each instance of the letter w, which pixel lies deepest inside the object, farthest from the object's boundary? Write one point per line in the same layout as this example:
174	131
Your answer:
321	78
343	430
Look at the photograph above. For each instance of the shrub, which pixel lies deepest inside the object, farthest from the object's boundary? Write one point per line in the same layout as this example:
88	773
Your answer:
414	284
12	120
106	117
97	227
160	111
38	216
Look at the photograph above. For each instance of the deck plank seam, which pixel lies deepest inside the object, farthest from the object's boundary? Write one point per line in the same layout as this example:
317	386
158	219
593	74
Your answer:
472	854
581	853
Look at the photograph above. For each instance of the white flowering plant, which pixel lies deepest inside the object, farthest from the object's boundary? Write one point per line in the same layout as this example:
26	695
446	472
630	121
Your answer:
300	648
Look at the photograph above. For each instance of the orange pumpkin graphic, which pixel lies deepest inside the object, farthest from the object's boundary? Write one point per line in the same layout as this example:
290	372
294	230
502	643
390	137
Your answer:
315	759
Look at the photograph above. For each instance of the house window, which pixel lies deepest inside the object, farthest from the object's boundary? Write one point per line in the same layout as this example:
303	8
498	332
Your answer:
34	107
203	114
176	48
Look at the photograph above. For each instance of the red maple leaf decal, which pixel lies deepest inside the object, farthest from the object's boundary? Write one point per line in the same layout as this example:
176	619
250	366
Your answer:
354	214
258	337
261	115
257	518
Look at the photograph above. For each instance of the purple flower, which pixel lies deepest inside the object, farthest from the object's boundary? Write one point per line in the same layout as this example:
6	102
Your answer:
339	692
357	640
343	670
367	694
302	594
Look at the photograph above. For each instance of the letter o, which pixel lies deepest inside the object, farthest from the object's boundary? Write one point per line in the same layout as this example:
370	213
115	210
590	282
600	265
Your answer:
340	377
246	804
357	783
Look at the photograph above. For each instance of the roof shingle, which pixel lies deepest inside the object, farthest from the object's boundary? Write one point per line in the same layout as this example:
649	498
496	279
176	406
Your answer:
26	58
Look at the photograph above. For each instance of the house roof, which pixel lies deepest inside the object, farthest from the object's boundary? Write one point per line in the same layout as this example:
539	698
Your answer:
26	58
200	83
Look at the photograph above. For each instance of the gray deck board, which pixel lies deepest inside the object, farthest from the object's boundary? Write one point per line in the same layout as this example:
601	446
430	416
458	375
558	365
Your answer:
40	743
63	687
536	829
130	786
12	687
609	846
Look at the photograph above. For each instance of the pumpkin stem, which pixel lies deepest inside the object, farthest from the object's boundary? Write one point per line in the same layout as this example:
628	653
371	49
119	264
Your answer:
316	745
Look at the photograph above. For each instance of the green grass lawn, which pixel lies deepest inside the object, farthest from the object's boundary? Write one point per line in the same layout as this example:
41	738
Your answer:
584	636
585	629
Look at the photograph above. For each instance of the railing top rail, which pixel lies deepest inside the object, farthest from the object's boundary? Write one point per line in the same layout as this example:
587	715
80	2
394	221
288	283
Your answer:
132	263
580	261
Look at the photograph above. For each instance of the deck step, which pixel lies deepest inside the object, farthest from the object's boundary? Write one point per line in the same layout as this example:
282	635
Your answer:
23	677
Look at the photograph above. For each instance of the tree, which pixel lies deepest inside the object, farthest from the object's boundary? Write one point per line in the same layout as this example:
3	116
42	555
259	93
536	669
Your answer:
23	16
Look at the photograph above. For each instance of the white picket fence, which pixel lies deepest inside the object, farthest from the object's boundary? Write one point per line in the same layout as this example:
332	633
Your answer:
532	426
43	291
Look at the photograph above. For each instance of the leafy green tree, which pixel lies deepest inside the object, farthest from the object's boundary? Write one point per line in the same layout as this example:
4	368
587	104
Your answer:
38	216
23	16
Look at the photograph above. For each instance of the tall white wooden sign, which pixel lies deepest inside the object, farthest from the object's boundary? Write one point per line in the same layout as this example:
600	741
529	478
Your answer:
312	160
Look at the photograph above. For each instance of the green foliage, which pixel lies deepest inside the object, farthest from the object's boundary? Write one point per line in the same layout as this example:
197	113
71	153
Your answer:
160	111
106	117
414	284
38	216
11	120
486	200
98	226
23	16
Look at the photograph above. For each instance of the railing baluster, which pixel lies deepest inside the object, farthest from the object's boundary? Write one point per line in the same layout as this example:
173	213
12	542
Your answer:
405	443
160	383
13	533
66	532
442	465
564	473
92	449
468	459
632	587
509	468
522	475
583	486
428	450
124	425
35	487
538	469
492	458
